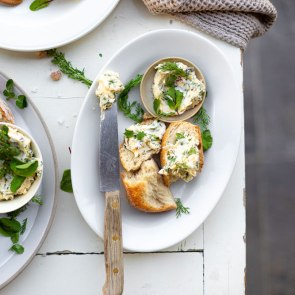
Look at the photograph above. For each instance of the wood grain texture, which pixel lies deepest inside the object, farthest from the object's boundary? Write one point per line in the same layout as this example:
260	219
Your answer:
113	249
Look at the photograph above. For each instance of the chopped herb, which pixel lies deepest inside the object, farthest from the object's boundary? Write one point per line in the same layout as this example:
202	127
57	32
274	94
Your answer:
131	110
66	182
39	4
100	55
7	151
140	135
192	151
128	133
179	136
207	139
180	208
17	248
20	100
66	67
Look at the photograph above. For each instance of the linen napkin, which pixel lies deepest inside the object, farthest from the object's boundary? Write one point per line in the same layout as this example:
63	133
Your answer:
234	21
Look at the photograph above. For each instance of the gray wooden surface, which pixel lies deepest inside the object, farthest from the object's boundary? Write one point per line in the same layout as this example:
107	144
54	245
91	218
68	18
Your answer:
269	81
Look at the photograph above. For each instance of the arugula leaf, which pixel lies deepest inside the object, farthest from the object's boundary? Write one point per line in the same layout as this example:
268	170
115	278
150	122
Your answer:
207	139
128	133
66	182
17	248
23	169
39	4
132	110
67	68
20	101
16	183
140	135
180	209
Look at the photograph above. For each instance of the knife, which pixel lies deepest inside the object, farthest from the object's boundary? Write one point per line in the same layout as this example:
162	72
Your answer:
109	174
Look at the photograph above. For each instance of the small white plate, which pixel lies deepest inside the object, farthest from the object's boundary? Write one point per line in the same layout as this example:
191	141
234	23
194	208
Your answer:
39	217
55	25
150	232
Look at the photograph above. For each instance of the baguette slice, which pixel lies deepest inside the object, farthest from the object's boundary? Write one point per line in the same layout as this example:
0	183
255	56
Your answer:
5	113
145	189
129	161
169	138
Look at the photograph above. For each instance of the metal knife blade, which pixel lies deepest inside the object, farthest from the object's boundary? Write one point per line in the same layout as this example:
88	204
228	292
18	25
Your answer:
109	171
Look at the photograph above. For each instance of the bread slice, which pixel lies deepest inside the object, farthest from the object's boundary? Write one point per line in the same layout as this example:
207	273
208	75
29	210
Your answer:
5	113
145	189
169	138
129	161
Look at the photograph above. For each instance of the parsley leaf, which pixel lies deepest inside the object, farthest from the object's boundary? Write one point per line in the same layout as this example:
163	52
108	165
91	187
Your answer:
131	110
128	133
20	100
140	135
66	182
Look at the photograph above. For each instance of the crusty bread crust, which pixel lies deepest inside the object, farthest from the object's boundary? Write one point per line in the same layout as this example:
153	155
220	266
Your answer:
145	189
169	137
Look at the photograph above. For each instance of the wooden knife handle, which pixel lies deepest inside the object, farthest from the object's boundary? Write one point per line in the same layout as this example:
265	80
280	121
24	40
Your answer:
113	249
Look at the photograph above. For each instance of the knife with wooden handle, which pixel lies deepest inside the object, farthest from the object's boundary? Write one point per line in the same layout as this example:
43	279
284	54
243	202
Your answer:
109	173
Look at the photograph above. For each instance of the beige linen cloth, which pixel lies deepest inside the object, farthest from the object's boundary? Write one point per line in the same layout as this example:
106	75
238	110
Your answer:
234	21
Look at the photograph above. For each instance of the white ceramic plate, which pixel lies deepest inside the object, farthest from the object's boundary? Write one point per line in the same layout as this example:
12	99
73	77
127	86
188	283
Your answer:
60	23
39	217
151	232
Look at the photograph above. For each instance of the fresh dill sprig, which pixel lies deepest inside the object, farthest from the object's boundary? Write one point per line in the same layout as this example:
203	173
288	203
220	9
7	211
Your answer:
67	68
180	208
132	110
37	199
202	119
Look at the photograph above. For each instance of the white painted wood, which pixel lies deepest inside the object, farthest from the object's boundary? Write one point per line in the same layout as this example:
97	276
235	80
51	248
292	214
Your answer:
145	274
173	273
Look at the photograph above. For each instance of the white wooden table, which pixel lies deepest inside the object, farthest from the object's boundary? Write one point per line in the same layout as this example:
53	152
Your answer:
210	261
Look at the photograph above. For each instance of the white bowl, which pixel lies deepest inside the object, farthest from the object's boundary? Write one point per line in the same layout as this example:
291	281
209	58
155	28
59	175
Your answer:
21	200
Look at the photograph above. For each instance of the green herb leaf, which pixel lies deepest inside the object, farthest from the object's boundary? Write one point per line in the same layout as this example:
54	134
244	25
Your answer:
192	151
39	4
140	135
16	183
66	182
156	105
14	238
128	133
66	67
7	150
180	208
173	69
21	102
17	248
202	119
179	136
174	98
24	226
207	139
9	226
24	169
132	110
37	200
178	99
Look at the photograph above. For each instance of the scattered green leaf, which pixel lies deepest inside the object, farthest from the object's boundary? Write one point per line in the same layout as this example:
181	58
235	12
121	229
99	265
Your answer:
131	110
39	4
128	133
9	226
17	248
20	100
202	119
37	200
66	182
14	238
140	135
180	208
16	183
207	139
67	68
24	226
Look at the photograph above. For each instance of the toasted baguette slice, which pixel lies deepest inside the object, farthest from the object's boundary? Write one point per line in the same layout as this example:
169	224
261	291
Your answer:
5	113
145	189
129	161
169	138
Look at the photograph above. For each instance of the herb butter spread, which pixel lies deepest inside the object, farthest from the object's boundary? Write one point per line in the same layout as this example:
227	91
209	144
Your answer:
176	89
182	157
18	165
143	138
108	86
